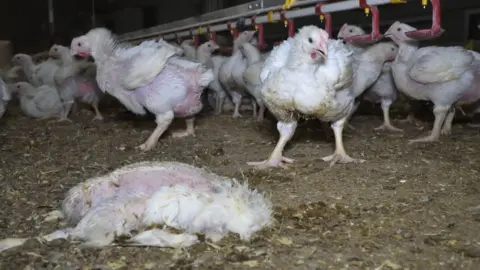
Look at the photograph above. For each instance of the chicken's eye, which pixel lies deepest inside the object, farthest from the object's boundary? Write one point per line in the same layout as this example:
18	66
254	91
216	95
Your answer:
351	31
209	45
399	29
310	40
79	44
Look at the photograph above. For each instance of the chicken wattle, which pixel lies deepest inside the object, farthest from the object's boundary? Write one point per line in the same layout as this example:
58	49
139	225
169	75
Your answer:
147	76
308	76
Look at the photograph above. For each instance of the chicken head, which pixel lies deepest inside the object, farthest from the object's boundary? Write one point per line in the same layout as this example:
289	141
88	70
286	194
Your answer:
21	87
209	46
56	51
19	59
350	31
84	45
397	31
313	41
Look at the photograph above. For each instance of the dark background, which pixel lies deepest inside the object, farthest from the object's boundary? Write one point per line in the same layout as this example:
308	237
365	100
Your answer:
25	22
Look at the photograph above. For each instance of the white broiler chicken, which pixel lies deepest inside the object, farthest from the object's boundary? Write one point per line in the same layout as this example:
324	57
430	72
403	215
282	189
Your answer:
204	53
383	91
41	74
442	75
39	102
169	194
251	77
5	97
72	84
147	76
231	71
189	50
308	75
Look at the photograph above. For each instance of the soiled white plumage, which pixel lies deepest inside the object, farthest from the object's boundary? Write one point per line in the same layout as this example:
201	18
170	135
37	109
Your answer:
5	97
158	193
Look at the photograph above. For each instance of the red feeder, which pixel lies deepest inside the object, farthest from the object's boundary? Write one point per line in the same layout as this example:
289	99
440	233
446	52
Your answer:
232	30
375	35
211	35
288	23
261	34
435	31
324	17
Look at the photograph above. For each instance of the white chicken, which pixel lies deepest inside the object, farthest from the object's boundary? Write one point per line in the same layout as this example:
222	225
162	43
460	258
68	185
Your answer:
231	71
251	77
204	53
424	74
164	194
189	50
39	102
308	75
72	84
5	97
147	76
41	74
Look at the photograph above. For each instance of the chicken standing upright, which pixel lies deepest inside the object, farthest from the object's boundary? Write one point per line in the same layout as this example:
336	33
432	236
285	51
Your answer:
251	77
37	75
308	75
72	84
147	76
425	74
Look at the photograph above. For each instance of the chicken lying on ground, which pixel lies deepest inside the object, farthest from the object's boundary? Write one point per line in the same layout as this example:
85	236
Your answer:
147	76
308	75
72	84
164	194
383	90
39	102
251	77
424	74
5	97
37	75
231	72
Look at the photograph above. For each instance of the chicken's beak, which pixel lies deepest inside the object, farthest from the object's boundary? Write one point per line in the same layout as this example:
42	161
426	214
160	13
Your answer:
388	34
322	49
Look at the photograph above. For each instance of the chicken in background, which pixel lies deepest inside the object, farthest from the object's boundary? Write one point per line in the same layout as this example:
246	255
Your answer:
189	50
383	90
172	194
424	74
147	76
231	72
72	84
251	77
41	102
5	97
40	74
308	76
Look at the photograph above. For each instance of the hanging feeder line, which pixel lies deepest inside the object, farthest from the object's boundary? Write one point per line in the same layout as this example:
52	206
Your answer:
375	35
291	14
436	30
261	33
324	17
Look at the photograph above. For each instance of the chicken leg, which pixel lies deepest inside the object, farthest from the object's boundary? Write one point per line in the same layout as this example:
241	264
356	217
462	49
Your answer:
440	113
447	125
340	155
237	100
163	122
387	125
189	131
219	101
66	111
98	115
276	159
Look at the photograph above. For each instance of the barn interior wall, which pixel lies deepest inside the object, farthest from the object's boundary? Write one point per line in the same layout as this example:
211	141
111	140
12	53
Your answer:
31	35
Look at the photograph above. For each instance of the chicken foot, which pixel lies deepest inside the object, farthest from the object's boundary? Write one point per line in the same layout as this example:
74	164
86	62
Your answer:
440	113
66	111
276	159
189	131
387	125
163	122
162	238
219	101
411	119
98	115
340	156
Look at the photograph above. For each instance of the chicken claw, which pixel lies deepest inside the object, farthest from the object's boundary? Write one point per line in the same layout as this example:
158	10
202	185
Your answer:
473	125
429	138
411	119
341	158
189	131
145	147
97	117
387	127
270	163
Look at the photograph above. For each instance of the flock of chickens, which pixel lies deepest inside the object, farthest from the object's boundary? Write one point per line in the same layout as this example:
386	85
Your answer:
306	76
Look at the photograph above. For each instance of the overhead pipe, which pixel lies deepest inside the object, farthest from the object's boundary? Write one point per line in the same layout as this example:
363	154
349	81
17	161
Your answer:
287	23
324	17
375	35
436	30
